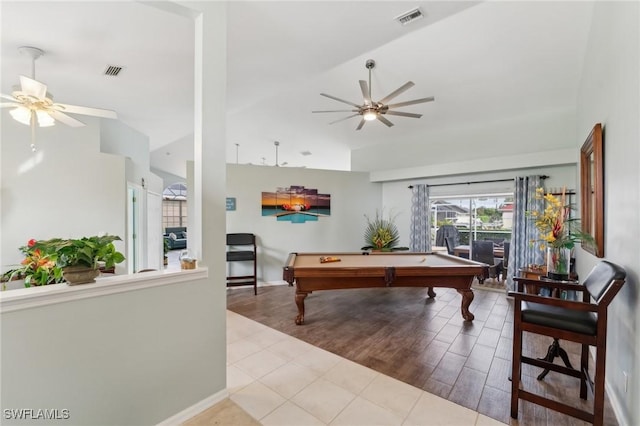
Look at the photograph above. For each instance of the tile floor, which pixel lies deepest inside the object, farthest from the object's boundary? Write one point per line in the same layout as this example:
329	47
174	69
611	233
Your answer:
280	380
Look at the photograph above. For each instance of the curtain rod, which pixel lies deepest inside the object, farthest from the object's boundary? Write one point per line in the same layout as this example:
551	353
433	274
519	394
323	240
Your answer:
477	181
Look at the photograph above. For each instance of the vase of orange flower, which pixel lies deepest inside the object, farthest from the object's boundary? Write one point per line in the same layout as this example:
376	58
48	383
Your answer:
559	233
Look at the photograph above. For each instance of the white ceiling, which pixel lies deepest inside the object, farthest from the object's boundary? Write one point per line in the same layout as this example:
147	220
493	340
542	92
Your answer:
481	61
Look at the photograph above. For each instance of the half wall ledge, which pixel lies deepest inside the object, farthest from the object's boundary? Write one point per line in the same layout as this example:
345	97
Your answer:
26	298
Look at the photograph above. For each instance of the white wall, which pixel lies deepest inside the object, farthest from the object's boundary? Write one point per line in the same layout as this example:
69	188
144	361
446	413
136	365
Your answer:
514	136
133	358
65	189
118	138
609	94
172	158
352	196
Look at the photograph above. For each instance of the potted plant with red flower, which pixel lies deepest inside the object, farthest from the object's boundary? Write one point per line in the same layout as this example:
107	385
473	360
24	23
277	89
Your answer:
39	267
72	260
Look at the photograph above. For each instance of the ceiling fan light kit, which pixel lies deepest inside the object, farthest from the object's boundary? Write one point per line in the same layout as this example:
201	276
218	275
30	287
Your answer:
23	115
371	110
370	114
31	103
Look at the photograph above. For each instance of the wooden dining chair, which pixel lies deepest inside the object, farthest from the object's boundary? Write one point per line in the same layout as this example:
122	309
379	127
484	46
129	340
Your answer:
583	321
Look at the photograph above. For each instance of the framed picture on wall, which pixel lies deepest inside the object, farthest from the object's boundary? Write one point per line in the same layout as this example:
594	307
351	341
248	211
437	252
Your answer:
592	190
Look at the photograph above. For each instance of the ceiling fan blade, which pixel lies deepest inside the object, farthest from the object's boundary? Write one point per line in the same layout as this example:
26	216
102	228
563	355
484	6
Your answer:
365	92
75	109
384	120
361	124
340	110
339	100
65	119
396	92
403	114
11	98
413	102
33	88
345	118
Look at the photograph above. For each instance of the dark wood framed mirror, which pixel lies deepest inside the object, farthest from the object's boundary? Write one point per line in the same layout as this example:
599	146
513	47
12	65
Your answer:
592	190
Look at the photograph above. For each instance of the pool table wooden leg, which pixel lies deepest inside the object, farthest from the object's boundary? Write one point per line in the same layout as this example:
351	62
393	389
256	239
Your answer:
467	298
300	296
430	292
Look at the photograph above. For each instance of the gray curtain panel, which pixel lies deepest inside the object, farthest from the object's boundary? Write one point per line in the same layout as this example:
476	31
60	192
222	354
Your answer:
523	252
420	234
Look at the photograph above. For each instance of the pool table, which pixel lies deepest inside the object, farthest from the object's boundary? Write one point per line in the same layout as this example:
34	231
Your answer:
395	269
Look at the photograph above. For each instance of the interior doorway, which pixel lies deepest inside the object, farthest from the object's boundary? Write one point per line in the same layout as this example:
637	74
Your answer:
135	228
174	223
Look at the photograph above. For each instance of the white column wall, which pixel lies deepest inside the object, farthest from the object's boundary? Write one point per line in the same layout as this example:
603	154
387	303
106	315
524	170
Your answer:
610	94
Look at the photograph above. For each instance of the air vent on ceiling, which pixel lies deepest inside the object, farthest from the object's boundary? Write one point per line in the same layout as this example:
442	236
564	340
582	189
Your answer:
410	16
112	70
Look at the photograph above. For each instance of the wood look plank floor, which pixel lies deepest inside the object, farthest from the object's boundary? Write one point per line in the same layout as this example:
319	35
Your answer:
423	342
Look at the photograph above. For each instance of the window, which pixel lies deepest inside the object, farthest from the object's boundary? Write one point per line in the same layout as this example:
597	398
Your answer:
174	205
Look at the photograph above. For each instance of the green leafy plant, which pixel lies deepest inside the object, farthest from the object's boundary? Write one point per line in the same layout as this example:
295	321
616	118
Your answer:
44	260
86	251
381	233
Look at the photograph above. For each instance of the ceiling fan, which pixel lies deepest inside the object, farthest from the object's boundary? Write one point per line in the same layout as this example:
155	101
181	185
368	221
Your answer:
32	103
372	110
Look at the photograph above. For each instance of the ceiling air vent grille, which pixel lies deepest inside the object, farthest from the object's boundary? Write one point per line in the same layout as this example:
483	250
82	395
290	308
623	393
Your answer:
410	16
112	70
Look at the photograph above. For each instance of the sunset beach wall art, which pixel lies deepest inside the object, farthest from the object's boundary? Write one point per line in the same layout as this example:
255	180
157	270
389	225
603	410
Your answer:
296	204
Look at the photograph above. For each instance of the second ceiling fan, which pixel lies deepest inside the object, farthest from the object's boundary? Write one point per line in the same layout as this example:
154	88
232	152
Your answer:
372	110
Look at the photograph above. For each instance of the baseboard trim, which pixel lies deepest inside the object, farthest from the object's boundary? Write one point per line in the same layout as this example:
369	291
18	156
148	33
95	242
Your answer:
259	284
195	409
616	405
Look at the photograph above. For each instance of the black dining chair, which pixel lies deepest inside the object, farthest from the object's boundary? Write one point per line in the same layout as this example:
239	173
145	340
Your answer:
504	265
450	243
482	251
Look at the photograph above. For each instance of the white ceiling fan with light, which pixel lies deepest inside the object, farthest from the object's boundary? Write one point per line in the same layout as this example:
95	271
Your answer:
32	104
372	110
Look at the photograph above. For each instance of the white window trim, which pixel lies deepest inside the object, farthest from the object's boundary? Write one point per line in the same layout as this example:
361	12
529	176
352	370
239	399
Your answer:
32	297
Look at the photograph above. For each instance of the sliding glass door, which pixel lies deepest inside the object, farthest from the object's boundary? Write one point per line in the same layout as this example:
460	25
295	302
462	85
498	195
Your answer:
476	217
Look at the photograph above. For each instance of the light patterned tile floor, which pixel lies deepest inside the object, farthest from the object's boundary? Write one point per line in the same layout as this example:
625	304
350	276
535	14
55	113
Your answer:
280	380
